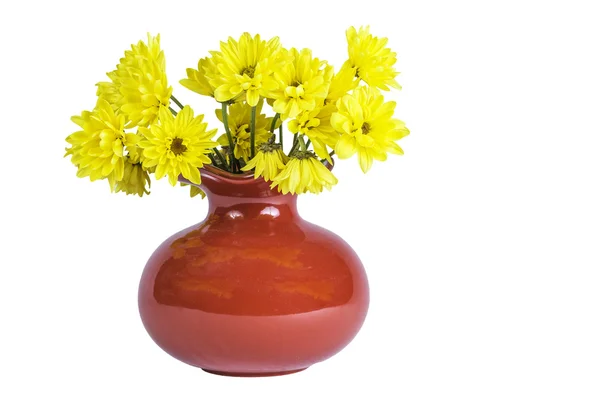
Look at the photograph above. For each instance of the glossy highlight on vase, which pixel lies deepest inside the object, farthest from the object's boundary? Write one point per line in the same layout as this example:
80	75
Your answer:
253	290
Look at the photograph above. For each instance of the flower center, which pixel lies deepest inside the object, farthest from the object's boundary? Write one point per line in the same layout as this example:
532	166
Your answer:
177	146
249	70
366	128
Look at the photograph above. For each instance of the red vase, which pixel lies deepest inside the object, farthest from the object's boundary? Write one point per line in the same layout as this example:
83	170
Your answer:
253	290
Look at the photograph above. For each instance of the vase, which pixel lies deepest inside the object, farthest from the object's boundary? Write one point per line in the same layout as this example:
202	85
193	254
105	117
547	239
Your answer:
253	290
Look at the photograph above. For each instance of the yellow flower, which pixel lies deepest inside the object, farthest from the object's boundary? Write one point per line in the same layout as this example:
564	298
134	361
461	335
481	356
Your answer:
97	149
197	80
374	63
245	67
239	124
304	173
344	81
367	127
303	84
177	145
135	179
138	86
269	161
109	91
317	127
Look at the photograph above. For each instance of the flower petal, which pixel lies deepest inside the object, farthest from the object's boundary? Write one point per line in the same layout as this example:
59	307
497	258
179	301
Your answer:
346	147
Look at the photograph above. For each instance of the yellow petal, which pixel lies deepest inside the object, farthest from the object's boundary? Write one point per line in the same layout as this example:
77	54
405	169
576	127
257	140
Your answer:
346	147
365	159
252	97
194	175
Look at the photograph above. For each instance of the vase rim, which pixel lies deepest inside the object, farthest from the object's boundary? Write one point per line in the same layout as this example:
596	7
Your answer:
224	183
221	182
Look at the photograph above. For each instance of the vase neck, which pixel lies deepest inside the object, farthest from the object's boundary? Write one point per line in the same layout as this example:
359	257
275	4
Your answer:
281	207
243	197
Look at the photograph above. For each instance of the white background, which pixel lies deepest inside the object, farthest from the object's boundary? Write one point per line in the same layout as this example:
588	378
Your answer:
481	243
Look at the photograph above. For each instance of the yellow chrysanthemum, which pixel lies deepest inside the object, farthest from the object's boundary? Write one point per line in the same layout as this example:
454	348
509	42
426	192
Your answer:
317	127
367	127
239	125
304	173
245	67
135	179
373	62
302	84
177	145
197	80
139	86
98	149
344	81
269	161
110	91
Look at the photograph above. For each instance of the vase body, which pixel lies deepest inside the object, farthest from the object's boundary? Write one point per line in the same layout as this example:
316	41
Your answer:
253	290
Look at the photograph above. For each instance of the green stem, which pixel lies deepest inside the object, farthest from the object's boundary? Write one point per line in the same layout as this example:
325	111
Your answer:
212	159
177	102
281	135
332	153
274	122
228	133
173	111
302	144
221	158
308	143
252	131
294	144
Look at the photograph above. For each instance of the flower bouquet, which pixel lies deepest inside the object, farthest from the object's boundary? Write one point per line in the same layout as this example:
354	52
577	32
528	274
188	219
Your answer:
253	290
139	128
